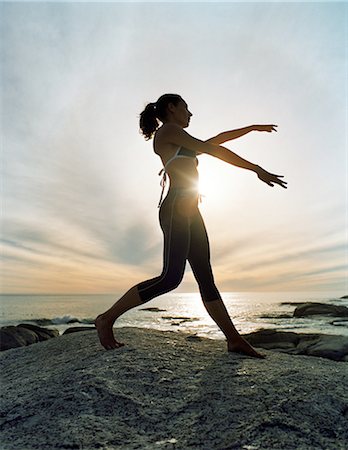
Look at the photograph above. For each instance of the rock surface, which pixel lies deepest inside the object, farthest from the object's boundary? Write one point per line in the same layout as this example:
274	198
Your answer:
165	390
311	309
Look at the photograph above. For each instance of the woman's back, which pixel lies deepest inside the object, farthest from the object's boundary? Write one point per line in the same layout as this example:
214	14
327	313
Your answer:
178	162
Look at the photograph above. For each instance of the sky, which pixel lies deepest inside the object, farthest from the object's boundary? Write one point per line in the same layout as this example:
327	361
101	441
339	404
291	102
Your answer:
80	185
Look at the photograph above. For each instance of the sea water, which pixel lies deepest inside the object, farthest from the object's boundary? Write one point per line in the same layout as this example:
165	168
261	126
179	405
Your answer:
249	311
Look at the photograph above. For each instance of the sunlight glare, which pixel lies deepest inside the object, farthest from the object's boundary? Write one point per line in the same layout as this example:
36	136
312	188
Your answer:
215	181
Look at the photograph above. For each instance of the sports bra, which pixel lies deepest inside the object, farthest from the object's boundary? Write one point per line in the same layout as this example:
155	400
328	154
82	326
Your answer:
181	152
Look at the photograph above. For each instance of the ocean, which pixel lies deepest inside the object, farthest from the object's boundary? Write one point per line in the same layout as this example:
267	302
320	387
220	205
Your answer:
249	311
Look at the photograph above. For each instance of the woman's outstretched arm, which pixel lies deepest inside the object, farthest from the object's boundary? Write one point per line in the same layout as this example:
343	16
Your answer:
176	135
234	134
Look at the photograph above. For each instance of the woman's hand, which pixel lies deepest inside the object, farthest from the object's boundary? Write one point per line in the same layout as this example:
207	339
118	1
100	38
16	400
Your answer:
270	178
268	128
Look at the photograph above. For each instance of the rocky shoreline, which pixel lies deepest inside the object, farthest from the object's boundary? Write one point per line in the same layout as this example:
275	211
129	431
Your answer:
333	347
168	390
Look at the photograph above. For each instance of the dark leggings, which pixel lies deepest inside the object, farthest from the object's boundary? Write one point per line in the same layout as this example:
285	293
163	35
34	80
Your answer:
185	238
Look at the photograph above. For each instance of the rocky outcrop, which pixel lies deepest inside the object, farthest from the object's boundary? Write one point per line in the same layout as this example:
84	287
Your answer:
42	333
323	345
272	339
152	309
12	337
311	309
162	391
326	346
76	329
23	335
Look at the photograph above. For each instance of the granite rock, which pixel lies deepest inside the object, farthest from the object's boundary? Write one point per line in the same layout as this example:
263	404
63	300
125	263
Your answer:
77	329
311	309
23	335
333	347
163	391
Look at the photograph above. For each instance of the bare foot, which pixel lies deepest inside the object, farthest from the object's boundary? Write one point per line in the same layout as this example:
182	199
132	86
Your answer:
105	333
243	347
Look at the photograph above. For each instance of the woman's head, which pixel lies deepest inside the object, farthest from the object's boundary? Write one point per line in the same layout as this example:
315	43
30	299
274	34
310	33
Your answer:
168	107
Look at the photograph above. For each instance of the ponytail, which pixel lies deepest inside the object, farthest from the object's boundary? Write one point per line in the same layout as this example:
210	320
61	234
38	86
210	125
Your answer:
153	111
148	121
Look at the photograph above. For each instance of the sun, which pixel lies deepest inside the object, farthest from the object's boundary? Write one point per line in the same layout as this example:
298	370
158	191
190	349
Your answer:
213	179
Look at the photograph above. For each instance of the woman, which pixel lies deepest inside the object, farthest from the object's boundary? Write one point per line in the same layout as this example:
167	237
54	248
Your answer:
185	236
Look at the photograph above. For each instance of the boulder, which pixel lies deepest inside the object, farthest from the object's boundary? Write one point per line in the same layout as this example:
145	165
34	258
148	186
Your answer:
153	309
43	322
12	337
331	347
76	329
43	333
273	339
311	309
23	335
323	345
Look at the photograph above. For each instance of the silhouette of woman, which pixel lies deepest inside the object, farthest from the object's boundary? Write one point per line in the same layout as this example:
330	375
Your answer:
185	236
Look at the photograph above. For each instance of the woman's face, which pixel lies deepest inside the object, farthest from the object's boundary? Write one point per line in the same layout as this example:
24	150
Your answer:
181	114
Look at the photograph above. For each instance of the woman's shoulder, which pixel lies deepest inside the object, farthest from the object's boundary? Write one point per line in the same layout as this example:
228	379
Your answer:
162	144
167	129
165	133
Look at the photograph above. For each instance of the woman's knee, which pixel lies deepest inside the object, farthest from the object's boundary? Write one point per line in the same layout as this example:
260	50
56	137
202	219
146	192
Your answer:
172	280
159	285
209	292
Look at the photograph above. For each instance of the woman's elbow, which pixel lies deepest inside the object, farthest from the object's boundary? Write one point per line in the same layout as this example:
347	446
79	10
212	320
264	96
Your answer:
212	149
216	140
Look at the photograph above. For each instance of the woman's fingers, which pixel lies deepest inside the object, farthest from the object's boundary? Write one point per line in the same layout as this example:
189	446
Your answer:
268	128
271	178
275	179
282	183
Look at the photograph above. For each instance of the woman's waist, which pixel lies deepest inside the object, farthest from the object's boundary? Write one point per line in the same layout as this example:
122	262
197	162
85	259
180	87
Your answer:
184	199
184	183
191	190
186	176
